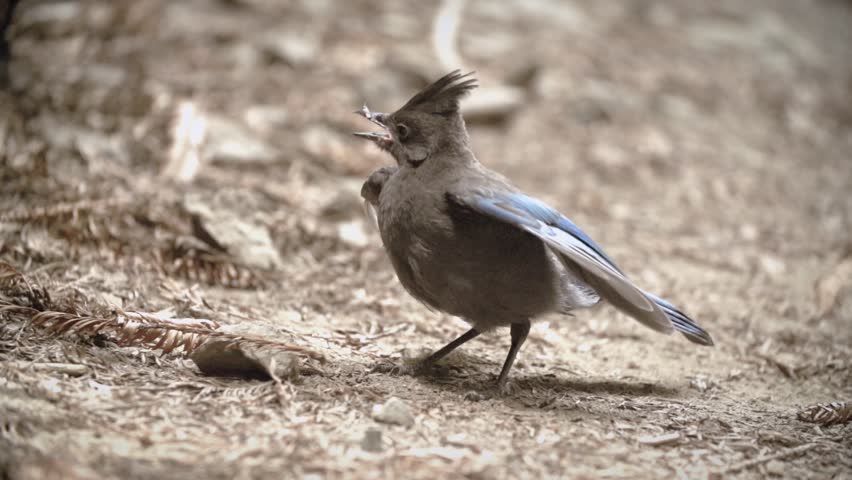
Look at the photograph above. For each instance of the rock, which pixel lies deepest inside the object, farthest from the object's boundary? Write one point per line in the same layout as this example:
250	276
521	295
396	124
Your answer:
566	16
394	411
248	241
372	441
229	141
775	467
493	103
353	233
266	119
288	317
772	265
293	48
654	143
702	383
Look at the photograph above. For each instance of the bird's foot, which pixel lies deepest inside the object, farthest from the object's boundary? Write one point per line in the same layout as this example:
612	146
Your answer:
504	388
411	369
497	390
391	368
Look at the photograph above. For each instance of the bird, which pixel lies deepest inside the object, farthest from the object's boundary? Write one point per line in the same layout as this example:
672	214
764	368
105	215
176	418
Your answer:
464	240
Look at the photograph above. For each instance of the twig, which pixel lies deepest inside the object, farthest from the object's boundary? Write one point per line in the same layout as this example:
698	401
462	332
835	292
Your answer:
744	465
493	102
660	440
71	369
188	135
445	31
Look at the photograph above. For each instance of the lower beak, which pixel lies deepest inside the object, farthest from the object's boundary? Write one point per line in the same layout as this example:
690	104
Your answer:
381	138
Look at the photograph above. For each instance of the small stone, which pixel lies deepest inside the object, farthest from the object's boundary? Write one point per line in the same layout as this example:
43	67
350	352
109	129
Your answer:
265	119
702	383
749	232
353	233
775	467
475	396
372	441
288	317
394	411
772	265
654	143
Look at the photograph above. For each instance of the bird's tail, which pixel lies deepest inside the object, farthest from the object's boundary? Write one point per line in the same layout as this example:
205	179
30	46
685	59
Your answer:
681	322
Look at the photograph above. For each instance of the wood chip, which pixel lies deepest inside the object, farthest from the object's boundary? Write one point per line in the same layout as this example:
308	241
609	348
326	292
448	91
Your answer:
658	440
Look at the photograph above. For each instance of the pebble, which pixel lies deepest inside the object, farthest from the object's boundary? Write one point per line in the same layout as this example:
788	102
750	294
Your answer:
372	441
775	467
394	411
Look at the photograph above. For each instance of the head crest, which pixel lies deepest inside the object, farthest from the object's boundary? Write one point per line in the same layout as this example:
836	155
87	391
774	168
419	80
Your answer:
443	95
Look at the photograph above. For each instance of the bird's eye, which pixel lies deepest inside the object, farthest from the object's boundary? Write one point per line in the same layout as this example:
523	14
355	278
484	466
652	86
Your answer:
402	131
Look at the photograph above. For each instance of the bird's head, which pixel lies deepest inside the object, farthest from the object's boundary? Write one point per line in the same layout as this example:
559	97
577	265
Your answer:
430	123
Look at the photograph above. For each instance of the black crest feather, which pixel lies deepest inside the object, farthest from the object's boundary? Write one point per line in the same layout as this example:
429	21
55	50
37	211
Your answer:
443	95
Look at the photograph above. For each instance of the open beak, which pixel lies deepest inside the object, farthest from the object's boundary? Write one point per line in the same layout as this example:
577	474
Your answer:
383	138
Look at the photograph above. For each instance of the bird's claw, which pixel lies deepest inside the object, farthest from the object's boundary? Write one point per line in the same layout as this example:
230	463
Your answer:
504	388
391	368
411	370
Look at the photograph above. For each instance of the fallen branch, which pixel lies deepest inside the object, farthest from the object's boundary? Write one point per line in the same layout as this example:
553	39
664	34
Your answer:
445	32
492	101
20	299
745	465
70	369
147	329
70	209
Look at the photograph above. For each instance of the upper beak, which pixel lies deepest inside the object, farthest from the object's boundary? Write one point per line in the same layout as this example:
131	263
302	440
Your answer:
374	136
378	119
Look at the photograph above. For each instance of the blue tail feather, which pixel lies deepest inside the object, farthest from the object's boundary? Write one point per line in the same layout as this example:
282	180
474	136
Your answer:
682	322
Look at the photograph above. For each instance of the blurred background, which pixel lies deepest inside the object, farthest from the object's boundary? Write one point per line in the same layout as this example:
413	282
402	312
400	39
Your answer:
195	158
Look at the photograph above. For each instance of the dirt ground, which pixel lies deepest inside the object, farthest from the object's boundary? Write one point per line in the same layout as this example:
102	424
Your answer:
705	145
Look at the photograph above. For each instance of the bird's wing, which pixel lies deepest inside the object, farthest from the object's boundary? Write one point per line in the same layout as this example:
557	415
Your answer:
573	247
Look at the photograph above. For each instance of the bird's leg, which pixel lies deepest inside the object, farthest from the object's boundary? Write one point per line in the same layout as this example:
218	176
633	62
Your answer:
431	360
428	362
519	334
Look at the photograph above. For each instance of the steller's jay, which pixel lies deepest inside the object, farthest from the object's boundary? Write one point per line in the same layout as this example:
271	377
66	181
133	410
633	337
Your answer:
465	241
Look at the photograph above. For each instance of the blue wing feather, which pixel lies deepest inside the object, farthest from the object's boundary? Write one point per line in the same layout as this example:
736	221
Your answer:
565	236
552	217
